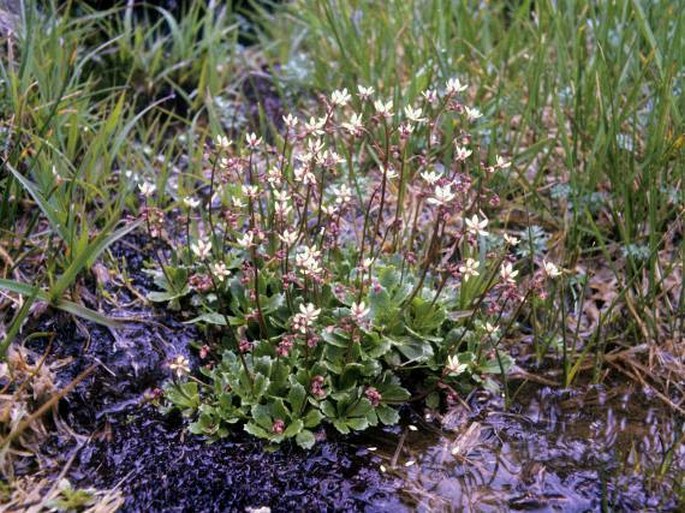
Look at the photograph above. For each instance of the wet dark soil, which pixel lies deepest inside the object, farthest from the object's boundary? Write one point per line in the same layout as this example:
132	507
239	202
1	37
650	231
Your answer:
162	469
601	447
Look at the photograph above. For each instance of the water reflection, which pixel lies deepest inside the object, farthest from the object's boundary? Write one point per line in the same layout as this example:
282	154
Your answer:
583	450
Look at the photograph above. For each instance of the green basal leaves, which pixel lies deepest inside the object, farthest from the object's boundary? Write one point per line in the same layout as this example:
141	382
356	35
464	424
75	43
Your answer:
351	378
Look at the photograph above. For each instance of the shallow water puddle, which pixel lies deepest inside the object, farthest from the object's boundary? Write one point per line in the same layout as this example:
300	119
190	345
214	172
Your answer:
583	450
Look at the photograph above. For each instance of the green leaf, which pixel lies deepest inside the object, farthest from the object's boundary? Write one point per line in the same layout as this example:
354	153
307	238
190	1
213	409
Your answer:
279	410
425	316
163	297
262	416
433	400
184	396
387	415
270	304
62	304
341	426
336	339
296	395
328	409
305	439
357	423
414	350
313	418
260	386
392	391
48	210
352	373
360	409
215	318
256	430
293	429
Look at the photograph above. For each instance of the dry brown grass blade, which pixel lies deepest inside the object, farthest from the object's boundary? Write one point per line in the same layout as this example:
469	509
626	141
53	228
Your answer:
636	376
45	407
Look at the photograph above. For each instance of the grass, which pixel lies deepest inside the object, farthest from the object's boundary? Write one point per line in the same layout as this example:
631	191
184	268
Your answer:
76	119
589	96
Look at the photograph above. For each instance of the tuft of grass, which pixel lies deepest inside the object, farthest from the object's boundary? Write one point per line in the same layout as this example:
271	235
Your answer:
589	96
84	104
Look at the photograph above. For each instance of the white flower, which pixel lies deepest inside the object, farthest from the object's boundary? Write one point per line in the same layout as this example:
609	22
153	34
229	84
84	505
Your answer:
406	129
367	263
431	96
252	140
202	249
282	207
454	367
413	115
315	146
180	365
454	86
238	202
147	189
304	175
501	163
491	329
190	202
507	273
462	153
383	108
330	158
247	240
329	210
442	195
473	114
359	311
510	239
290	121
274	176
251	191
222	142
220	270
281	195
430	177
550	269
477	226
288	237
315	126
343	195
354	125
469	269
306	318
340	98
307	260
365	92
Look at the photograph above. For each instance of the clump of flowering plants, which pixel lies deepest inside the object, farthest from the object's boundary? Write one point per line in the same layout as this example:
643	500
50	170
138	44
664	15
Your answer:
348	258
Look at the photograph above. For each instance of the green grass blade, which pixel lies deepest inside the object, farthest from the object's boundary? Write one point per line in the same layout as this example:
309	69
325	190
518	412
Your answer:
88	255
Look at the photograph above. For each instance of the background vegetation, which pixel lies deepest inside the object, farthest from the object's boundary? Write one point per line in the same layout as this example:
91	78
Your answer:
585	96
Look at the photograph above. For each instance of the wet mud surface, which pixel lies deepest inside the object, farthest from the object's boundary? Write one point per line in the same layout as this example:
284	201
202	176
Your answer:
594	447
